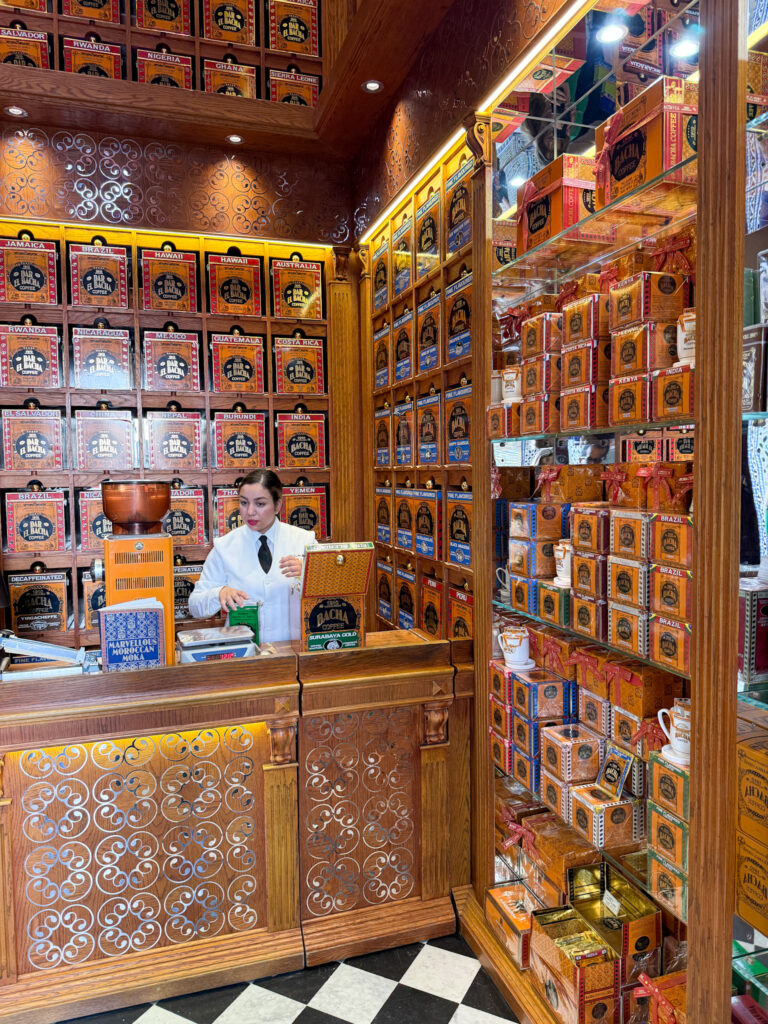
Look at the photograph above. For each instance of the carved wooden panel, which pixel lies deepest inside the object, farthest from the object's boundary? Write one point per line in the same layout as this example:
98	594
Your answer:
482	41
135	844
79	176
359	810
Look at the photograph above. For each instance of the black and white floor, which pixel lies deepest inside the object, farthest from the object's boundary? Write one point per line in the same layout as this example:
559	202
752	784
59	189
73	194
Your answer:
437	982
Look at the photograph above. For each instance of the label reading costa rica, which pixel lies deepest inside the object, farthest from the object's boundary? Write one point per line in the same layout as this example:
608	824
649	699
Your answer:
299	365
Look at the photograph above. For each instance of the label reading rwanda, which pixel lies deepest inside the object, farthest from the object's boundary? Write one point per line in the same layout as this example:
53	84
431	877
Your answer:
29	356
428	428
458	316
402	255
237	362
458	204
402	330
428	333
381	276
427	235
381	346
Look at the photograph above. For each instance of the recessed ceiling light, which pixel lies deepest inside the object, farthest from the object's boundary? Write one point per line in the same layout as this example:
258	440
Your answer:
612	32
15	111
372	85
684	48
235	139
518	181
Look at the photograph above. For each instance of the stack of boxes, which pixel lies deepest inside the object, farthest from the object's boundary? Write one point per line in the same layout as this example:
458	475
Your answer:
534	529
586	356
668	814
540	344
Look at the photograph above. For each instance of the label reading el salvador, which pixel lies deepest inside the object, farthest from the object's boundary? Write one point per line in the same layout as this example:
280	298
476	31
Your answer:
429	333
381	276
458	316
402	330
460	527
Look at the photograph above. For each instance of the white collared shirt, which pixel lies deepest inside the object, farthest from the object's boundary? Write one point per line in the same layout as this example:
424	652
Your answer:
234	562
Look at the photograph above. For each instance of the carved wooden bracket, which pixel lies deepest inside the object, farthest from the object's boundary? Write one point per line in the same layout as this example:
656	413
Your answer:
436	722
438	687
282	740
363	253
479	138
341	262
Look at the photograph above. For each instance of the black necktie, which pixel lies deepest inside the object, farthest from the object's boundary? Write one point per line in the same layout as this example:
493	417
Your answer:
265	555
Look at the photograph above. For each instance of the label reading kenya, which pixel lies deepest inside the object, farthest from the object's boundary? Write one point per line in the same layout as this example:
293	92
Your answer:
174	440
297	289
459	517
382	340
239	439
232	21
29	356
101	358
458	204
98	275
300	440
35	520
100	60
293	88
237	362
307	508
28	271
163	16
428	333
402	330
33	439
428	429
171	361
169	280
293	26
402	256
234	283
427	235
156	68
24	49
381	275
458	317
299	365
104	439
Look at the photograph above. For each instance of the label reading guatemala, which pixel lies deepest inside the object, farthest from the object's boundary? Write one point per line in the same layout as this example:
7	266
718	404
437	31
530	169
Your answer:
403	339
428	333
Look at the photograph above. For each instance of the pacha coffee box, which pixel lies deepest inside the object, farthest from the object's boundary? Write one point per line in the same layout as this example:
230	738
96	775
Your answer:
457	413
293	26
185	521
403	424
292	87
98	274
163	16
428	333
35	520
382	419
154	67
93	10
427	512
402	330
429	429
39	601
458	207
459	518
306	507
380	274
231	21
297	288
28	266
403	519
431	616
402	257
228	78
239	440
405	588
299	365
384	513
300	440
171	361
104	439
382	343
94	525
101	358
33	439
458	317
460	614
385	584
29	356
227	505
234	282
174	440
334	583
237	363
184	579
94	599
427	233
169	278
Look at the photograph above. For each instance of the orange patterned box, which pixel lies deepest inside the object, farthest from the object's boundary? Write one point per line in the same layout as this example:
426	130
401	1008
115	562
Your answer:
647	346
29	356
508	911
590	527
556	794
588	573
237	362
672	393
630	533
625	487
672	540
532	558
540	414
586	319
558	196
460	614
589	661
671	591
169	278
502	718
231	21
589	615
570	483
293	26
234	282
648	296
300	440
595	712
628	629
502	753
628	398
538	694
540	334
628	581
586	362
239	439
670	641
669	486
640	689
541	374
606	820
572	752
583	407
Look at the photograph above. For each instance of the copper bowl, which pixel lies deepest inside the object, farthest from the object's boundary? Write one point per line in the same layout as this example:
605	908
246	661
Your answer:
135	506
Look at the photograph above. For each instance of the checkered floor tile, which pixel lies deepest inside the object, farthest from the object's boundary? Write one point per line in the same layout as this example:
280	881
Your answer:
436	982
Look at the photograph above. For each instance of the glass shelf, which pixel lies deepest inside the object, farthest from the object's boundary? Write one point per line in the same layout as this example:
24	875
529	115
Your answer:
759	125
659	205
588	639
608	431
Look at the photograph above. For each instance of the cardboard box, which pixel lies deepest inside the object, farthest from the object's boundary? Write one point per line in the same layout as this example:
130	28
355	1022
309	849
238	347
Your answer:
35	520
584	407
595	712
541	334
630	534
537	520
230	79
646	346
669	785
536	694
39	601
557	197
298	365
628	629
572	752
640	689
589	615
586	362
588	572
502	718
671	591
524	594
753	631
541	374
557	847
540	414
680	442
670	643
589	661
590	528
333	587
554	603
532	558
556	794
672	393
32	439
672	540
644	446
649	296
154	67
585	319
557	650
628	581
508	911
237	363
624	487
460	614
604	819
568	484
527	771
502	753
629	400
669	887
527	733
668	836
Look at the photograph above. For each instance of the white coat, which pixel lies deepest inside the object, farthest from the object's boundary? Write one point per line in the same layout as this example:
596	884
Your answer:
234	562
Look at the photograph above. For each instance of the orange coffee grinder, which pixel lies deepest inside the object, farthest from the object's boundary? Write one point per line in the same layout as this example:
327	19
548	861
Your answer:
138	556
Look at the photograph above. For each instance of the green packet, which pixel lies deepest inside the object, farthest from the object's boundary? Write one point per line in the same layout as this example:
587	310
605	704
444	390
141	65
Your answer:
248	615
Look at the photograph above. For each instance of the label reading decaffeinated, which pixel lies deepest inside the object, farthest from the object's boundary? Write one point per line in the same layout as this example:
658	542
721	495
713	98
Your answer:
24	49
29	356
427	235
428	333
98	275
307	508
297	289
104	439
293	26
185	521
458	317
171	361
38	601
101	358
402	330
100	60
237	362
174	440
299	365
232	21
184	579
156	68
458	205
33	439
169	280
28	271
240	439
163	16
293	88
234	283
402	256
35	520
300	440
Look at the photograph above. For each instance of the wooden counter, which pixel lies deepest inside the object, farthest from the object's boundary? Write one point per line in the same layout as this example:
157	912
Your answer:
163	832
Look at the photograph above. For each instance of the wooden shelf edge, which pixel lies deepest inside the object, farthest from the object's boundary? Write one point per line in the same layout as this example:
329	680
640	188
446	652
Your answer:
514	984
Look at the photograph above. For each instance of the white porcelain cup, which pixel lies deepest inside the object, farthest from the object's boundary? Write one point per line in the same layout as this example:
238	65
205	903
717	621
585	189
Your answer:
514	645
502	578
682	707
511	385
563	557
677	731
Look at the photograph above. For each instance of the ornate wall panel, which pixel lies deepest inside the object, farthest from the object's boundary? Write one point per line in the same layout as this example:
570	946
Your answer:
473	47
359	813
78	176
135	844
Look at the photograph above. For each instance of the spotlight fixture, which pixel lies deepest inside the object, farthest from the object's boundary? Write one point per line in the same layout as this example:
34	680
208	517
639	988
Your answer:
517	182
15	111
685	48
613	31
372	85
235	139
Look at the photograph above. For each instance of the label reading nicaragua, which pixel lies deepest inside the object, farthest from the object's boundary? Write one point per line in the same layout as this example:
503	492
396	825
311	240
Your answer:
402	330
428	333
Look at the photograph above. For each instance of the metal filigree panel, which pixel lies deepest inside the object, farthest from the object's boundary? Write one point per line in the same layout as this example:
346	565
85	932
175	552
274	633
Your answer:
359	810
125	845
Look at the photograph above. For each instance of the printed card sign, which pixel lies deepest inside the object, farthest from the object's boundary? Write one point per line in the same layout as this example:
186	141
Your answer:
432	606
297	289
227	510
237	362
104	439
24	49
402	256
229	79
100	60
406	598
458	205
402	329
293	26
458	317
29	356
169	279
382	341
403	518
156	68
427	522
101	358
300	440
185	521
163	16
33	439
35	520
381	276
293	88
403	426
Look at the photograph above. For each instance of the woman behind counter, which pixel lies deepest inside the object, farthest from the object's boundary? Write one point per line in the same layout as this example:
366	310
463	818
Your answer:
256	562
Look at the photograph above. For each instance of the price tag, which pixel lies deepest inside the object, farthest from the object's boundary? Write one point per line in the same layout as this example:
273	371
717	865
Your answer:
612	903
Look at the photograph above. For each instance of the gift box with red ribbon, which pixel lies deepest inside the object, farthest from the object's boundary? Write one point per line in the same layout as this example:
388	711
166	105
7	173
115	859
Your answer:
669	486
633	262
676	253
589	662
570	483
640	689
624	487
577	288
557	649
666	997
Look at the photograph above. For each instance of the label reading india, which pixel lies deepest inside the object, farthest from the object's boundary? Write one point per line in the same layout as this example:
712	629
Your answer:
380	275
381	344
403	333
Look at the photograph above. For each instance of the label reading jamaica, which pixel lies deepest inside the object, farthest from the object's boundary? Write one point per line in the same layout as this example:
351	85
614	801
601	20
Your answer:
28	271
169	280
293	26
237	362
234	282
297	289
299	365
233	21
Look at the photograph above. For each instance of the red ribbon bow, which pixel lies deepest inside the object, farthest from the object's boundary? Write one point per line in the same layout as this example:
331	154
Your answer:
652	988
519	833
547	476
684	484
568	293
657	475
673	250
615	674
610	137
588	662
614	476
609	278
552	650
651	732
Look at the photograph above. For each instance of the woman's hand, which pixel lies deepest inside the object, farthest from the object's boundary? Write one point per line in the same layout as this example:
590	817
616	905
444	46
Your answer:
230	598
291	566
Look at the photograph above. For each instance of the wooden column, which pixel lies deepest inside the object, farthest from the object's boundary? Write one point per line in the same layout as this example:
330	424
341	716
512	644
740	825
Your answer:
479	142
435	813
366	419
719	287
7	939
346	407
281	826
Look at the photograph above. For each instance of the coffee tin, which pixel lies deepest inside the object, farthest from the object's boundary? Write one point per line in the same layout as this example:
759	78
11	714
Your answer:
171	361
185	521
234	282
382	419
227	505
35	521
38	601
402	330
231	21
382	343
300	440
29	356
101	358
299	365
239	439
307	508
427	512
292	87
405	583
427	235
293	26
169	279
429	429
84	57
431	618
156	68
297	289
33	439
104	439
459	518
27	268
174	440
458	317
458	205
163	16
428	333
237	363
402	257
94	525
27	50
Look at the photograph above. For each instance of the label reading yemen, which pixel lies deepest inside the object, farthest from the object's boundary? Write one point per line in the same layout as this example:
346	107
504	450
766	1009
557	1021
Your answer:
232	21
299	365
306	507
29	356
101	358
297	289
238	362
